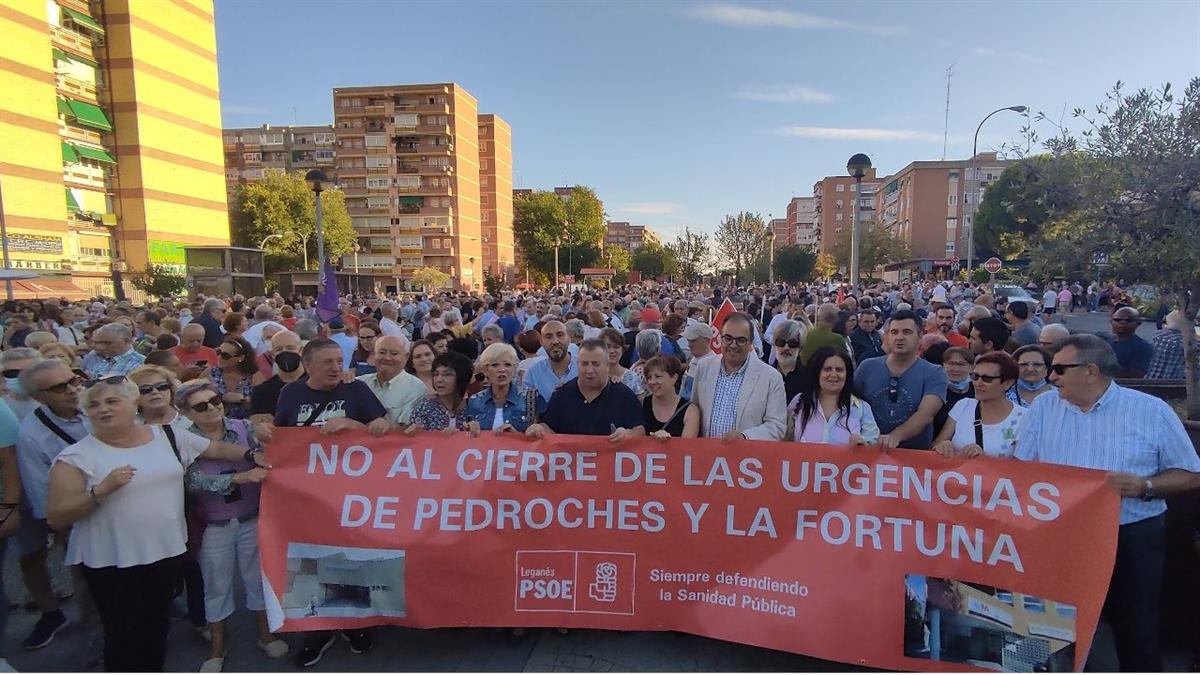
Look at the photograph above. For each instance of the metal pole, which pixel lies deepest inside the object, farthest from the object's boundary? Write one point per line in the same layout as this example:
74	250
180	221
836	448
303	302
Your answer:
8	289
854	235
320	234
974	183
771	262
556	264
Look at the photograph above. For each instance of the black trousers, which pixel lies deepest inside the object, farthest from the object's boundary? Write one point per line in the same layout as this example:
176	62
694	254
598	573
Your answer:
1134	600
134	605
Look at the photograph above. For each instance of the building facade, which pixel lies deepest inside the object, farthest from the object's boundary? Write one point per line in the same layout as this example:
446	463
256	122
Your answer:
628	236
784	231
496	195
408	160
833	207
801	213
110	116
930	204
250	153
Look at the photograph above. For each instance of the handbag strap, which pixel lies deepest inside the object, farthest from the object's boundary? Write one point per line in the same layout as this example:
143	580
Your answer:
170	434
978	424
49	424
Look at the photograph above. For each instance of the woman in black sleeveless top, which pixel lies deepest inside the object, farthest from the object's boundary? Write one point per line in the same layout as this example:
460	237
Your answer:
663	409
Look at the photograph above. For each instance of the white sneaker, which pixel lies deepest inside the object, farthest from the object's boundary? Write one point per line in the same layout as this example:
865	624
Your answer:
213	665
276	648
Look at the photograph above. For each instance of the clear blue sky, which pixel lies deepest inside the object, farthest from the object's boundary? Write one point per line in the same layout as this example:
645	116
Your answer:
680	112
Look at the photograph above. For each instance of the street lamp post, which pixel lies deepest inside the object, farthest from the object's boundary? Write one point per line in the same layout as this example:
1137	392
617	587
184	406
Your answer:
317	181
771	255
356	249
267	238
857	167
974	186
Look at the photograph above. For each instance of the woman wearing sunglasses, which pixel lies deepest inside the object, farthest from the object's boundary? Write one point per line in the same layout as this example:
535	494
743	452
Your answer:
987	423
233	375
156	396
120	491
228	492
788	341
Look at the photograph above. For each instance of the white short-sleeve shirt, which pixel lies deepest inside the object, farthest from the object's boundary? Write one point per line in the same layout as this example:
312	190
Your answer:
143	521
999	440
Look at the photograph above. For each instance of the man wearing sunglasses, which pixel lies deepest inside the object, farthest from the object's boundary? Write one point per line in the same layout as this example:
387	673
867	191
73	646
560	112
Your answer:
44	433
1091	422
1133	353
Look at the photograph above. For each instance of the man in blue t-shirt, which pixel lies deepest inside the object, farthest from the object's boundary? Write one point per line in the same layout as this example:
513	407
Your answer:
905	391
509	322
1133	353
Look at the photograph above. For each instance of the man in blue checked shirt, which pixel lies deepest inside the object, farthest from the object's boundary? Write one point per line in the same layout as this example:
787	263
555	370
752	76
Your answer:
112	352
1091	422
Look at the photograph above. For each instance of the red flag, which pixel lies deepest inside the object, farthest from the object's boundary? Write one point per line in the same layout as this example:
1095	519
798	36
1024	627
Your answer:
841	294
723	312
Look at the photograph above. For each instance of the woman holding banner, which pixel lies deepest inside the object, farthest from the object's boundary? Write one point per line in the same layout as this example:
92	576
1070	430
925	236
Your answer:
986	424
501	406
120	490
228	495
664	409
826	411
444	409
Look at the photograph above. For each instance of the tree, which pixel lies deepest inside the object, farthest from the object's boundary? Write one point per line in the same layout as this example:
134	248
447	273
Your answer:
826	265
877	246
492	284
542	218
618	259
281	204
692	254
794	263
430	278
1029	194
158	281
740	239
653	260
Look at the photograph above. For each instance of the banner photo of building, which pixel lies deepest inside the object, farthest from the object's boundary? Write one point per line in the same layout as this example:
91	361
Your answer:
899	560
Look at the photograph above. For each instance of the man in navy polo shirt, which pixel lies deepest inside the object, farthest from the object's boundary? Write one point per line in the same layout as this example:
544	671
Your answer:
591	404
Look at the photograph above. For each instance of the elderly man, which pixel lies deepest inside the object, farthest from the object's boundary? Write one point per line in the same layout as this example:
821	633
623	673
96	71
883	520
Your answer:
738	396
1168	363
264	326
396	389
112	352
1091	422
149	324
53	425
210	318
389	325
558	367
191	350
287	368
866	339
13	362
1052	336
1133	353
592	404
699	340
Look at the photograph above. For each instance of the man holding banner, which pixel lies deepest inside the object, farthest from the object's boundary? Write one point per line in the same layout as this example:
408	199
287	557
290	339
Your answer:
591	404
738	396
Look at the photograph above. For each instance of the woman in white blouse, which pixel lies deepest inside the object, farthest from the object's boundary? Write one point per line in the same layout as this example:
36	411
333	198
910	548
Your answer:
986	424
120	490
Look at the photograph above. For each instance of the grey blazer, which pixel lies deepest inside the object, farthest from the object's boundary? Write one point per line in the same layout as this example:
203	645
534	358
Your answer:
761	403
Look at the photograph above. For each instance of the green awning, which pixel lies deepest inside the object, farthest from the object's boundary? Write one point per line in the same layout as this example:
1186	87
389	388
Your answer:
82	19
72	205
93	154
69	154
89	115
64	109
60	54
413	201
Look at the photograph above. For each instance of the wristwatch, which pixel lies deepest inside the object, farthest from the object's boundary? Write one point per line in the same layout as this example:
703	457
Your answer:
249	456
1148	493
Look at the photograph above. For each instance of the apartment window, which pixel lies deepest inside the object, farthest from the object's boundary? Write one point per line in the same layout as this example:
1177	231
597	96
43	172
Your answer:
232	174
439	161
485	216
839	203
953	200
484	164
1004	596
252	156
840	188
343	103
1032	604
378	182
378	161
483	199
949	247
951	223
953	175
838	217
323	154
1063	609
376	141
273	139
866	203
325	138
485	181
356	103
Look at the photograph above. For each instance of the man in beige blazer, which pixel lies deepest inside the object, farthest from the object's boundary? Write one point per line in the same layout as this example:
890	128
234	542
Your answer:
738	395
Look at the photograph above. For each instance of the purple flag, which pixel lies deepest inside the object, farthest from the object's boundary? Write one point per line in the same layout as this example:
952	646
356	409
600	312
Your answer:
327	294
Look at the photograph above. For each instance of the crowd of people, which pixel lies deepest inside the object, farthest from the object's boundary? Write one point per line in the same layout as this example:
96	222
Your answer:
132	435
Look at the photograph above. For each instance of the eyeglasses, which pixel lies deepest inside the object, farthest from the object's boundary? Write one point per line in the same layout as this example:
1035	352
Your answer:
62	387
366	337
144	389
794	344
1061	368
894	389
214	402
111	379
975	377
11	373
730	340
1032	364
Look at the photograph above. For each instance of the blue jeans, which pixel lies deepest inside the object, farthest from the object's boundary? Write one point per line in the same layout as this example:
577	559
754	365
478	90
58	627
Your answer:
1135	594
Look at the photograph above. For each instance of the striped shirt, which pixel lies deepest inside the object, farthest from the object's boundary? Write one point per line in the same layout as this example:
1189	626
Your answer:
97	366
1125	431
725	398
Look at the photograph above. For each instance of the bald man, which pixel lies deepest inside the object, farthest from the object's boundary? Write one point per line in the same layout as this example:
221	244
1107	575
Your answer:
191	350
1052	336
287	368
1133	353
395	388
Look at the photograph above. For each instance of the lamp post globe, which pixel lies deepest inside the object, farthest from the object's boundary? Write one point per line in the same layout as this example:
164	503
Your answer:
857	167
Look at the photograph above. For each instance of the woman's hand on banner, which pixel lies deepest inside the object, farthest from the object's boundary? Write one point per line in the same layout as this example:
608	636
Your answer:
473	428
660	435
944	448
505	427
971	451
253	476
889	441
414	429
855	439
536	431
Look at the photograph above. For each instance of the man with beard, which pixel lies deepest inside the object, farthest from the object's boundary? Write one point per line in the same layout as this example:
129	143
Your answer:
396	389
285	352
946	325
558	367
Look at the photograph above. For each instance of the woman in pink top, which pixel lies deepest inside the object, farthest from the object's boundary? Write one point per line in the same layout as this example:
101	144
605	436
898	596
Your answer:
825	411
1065	297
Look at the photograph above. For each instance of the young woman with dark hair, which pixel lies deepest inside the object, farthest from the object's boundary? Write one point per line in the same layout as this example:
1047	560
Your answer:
826	411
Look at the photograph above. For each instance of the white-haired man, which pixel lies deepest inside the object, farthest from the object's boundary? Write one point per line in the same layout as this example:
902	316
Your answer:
112	352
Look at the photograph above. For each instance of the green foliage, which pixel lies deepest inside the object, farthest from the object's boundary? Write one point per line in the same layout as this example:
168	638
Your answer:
430	278
1028	195
692	254
492	284
740	240
826	265
617	258
158	281
877	246
542	219
281	204
979	275
794	264
654	260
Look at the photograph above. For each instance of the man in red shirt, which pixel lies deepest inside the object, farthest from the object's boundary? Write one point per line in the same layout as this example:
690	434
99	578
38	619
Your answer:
191	349
944	315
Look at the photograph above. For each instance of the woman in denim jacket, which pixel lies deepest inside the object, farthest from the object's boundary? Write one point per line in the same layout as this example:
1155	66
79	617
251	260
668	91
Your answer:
502	405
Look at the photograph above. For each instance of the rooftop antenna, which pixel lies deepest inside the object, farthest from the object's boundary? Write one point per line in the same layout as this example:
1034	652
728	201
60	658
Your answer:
946	129
294	122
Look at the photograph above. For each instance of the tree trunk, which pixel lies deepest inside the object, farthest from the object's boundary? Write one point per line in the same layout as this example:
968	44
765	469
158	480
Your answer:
1187	304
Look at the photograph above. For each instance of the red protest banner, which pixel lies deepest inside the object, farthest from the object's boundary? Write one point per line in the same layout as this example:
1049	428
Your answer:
899	560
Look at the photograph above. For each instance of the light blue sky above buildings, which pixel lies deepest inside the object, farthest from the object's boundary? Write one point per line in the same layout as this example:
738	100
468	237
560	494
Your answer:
680	112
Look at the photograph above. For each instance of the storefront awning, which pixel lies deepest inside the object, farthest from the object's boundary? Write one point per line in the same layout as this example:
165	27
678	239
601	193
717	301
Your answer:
83	19
89	115
43	288
94	154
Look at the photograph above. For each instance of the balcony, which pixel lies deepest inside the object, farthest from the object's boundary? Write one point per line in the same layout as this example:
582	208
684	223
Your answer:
378	169
352	152
378	150
357	210
433	108
436	170
84	176
72	41
324	160
432	149
412	209
439	190
436	211
77	133
378	108
408	149
346	171
408	168
440	129
77	89
378	188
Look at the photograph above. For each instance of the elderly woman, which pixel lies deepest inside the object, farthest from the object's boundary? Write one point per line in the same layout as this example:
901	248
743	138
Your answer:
647	344
1034	364
120	491
156	396
57	350
233	375
491	334
234	323
444	409
228	492
502	406
985	424
788	342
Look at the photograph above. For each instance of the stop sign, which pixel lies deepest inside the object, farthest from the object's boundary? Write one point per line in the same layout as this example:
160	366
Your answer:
992	265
